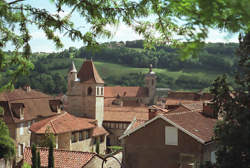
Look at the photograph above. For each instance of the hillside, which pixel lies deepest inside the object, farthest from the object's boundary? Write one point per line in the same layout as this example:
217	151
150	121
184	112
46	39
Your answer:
126	63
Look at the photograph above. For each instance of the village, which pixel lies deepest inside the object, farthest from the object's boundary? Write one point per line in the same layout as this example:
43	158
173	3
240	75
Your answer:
175	130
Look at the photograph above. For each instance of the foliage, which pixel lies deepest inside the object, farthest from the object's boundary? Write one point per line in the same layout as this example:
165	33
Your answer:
7	145
38	160
97	149
175	21
51	155
48	138
115	148
34	156
233	132
26	165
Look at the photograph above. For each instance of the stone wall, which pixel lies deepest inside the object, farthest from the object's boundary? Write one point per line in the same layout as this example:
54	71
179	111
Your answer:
64	141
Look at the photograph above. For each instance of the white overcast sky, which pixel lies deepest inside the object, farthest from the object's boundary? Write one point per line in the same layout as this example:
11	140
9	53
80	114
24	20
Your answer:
121	33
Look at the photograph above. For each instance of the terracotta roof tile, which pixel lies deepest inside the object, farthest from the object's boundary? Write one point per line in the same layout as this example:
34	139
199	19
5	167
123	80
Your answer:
61	123
129	91
88	73
99	131
195	123
62	158
125	114
36	104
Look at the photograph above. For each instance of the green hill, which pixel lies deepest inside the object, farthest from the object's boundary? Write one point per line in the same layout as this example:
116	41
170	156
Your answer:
126	64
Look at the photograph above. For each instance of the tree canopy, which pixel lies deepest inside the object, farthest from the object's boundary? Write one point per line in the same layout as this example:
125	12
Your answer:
158	21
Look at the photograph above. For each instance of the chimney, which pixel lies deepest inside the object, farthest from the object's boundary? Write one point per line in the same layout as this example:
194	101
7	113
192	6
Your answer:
152	112
208	110
27	88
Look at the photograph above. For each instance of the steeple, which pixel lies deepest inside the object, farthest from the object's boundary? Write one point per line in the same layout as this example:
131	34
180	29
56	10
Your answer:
71	76
89	74
73	68
150	83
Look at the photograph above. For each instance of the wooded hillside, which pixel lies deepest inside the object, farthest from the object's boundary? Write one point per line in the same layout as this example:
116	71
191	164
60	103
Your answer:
126	63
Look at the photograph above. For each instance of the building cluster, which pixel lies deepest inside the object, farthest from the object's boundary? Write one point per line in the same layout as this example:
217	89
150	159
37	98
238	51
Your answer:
175	131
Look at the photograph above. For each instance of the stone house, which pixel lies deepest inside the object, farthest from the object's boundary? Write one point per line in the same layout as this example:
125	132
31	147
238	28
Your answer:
177	139
22	107
65	158
71	133
88	97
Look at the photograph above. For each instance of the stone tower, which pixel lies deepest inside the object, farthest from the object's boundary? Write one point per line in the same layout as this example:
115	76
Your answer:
86	98
72	76
150	83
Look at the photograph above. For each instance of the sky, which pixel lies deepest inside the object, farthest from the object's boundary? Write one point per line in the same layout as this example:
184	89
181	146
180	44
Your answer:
39	43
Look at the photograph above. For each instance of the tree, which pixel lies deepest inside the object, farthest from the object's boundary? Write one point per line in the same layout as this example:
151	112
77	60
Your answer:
51	155
97	149
232	134
34	156
38	160
7	146
173	20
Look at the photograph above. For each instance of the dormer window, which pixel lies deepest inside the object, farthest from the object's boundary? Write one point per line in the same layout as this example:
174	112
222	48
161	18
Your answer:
18	110
89	91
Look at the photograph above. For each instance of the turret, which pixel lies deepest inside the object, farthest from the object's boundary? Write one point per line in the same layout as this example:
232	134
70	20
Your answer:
72	76
150	83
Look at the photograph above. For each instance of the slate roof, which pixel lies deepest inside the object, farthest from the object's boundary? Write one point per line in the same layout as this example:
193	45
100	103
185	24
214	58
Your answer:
125	91
62	123
62	158
89	74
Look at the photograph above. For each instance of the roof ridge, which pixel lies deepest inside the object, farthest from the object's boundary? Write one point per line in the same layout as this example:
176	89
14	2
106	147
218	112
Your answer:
51	121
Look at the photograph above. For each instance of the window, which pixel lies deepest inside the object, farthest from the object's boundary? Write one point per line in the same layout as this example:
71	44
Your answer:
81	135
102	138
95	140
102	91
87	134
20	149
213	157
97	91
21	128
171	136
29	123
89	91
74	137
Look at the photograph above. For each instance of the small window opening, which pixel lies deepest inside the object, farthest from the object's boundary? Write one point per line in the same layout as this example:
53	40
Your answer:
89	91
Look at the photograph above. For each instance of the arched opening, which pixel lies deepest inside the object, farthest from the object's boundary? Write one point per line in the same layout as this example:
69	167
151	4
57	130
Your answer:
89	91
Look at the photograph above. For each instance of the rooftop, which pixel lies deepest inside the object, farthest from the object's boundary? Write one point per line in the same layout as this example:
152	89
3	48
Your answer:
62	123
62	158
89	74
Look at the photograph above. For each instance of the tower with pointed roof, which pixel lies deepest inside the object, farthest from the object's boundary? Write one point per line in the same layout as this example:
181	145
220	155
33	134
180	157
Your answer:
86	97
150	84
72	76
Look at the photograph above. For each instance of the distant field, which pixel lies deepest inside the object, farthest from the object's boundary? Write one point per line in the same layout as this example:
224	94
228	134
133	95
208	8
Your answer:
110	69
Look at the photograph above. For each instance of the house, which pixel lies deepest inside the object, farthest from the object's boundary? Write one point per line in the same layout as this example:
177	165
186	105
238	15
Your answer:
113	107
176	139
174	99
65	158
22	107
71	132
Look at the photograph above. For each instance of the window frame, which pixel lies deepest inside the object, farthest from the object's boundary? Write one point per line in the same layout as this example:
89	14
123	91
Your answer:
173	138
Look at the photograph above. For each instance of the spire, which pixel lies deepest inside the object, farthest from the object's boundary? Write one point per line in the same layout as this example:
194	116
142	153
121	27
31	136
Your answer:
151	69
88	73
73	67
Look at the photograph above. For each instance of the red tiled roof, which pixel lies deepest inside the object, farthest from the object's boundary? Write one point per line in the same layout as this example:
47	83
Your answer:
61	123
136	124
129	91
36	104
62	158
99	131
125	114
88	73
195	123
